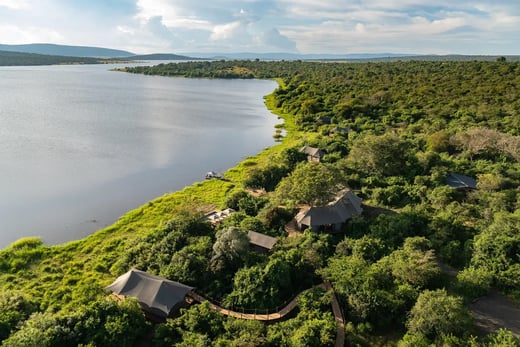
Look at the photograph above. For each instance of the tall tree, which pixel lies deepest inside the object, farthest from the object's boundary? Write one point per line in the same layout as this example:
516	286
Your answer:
310	183
387	154
232	245
436	314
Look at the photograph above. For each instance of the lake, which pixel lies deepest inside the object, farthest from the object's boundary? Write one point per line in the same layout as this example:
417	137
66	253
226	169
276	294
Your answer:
81	145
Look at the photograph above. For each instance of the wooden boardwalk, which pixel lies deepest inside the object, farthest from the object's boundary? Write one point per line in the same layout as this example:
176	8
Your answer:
255	316
336	310
338	316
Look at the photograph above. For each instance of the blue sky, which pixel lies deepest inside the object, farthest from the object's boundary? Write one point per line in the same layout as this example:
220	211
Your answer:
299	26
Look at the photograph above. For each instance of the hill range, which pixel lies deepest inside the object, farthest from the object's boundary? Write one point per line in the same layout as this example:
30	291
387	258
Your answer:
65	50
50	54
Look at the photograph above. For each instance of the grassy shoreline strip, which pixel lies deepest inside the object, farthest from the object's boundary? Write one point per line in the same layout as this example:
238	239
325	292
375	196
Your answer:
85	260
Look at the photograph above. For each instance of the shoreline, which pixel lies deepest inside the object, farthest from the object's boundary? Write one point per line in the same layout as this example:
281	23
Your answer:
208	192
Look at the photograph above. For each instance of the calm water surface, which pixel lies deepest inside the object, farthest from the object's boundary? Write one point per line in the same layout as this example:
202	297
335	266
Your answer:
81	145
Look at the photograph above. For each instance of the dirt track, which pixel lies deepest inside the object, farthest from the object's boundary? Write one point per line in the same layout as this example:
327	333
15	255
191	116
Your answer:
496	311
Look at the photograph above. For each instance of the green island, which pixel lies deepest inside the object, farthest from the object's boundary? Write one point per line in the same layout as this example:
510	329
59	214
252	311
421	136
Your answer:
431	148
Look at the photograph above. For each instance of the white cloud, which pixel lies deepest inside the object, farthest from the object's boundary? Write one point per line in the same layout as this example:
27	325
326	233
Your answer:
225	31
157	8
181	13
156	27
325	26
360	28
14	4
126	30
399	25
15	35
273	39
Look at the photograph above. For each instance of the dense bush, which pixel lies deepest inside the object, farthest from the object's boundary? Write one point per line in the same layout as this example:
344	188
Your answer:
102	323
497	250
474	282
410	124
436	314
266	178
14	309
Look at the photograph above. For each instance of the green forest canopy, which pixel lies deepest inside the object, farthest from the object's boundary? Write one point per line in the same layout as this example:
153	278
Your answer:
411	124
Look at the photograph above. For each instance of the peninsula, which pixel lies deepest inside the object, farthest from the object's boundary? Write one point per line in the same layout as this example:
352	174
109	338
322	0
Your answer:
358	194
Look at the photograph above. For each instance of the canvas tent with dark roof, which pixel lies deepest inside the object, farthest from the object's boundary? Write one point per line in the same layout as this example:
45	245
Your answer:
340	130
260	242
156	295
332	216
458	181
313	154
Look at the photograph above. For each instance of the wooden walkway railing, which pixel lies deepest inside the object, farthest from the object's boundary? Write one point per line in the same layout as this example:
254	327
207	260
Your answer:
336	310
338	316
255	316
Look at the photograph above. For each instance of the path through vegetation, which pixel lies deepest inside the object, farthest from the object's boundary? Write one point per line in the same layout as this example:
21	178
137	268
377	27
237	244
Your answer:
336	310
338	316
496	311
493	311
255	316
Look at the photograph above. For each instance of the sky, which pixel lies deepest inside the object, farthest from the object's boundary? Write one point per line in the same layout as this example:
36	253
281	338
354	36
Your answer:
486	27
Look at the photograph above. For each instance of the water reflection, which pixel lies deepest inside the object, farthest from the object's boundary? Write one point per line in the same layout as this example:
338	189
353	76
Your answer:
83	144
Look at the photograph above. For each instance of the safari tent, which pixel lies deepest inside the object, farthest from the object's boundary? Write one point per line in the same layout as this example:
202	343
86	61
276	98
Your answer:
156	295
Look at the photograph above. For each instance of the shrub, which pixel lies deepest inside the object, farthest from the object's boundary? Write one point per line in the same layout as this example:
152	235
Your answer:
14	308
474	282
266	178
436	314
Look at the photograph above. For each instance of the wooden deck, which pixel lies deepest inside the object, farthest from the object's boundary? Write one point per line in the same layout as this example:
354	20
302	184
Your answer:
292	229
256	192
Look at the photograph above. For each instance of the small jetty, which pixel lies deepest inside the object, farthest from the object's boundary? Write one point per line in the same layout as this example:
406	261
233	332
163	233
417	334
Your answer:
213	175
